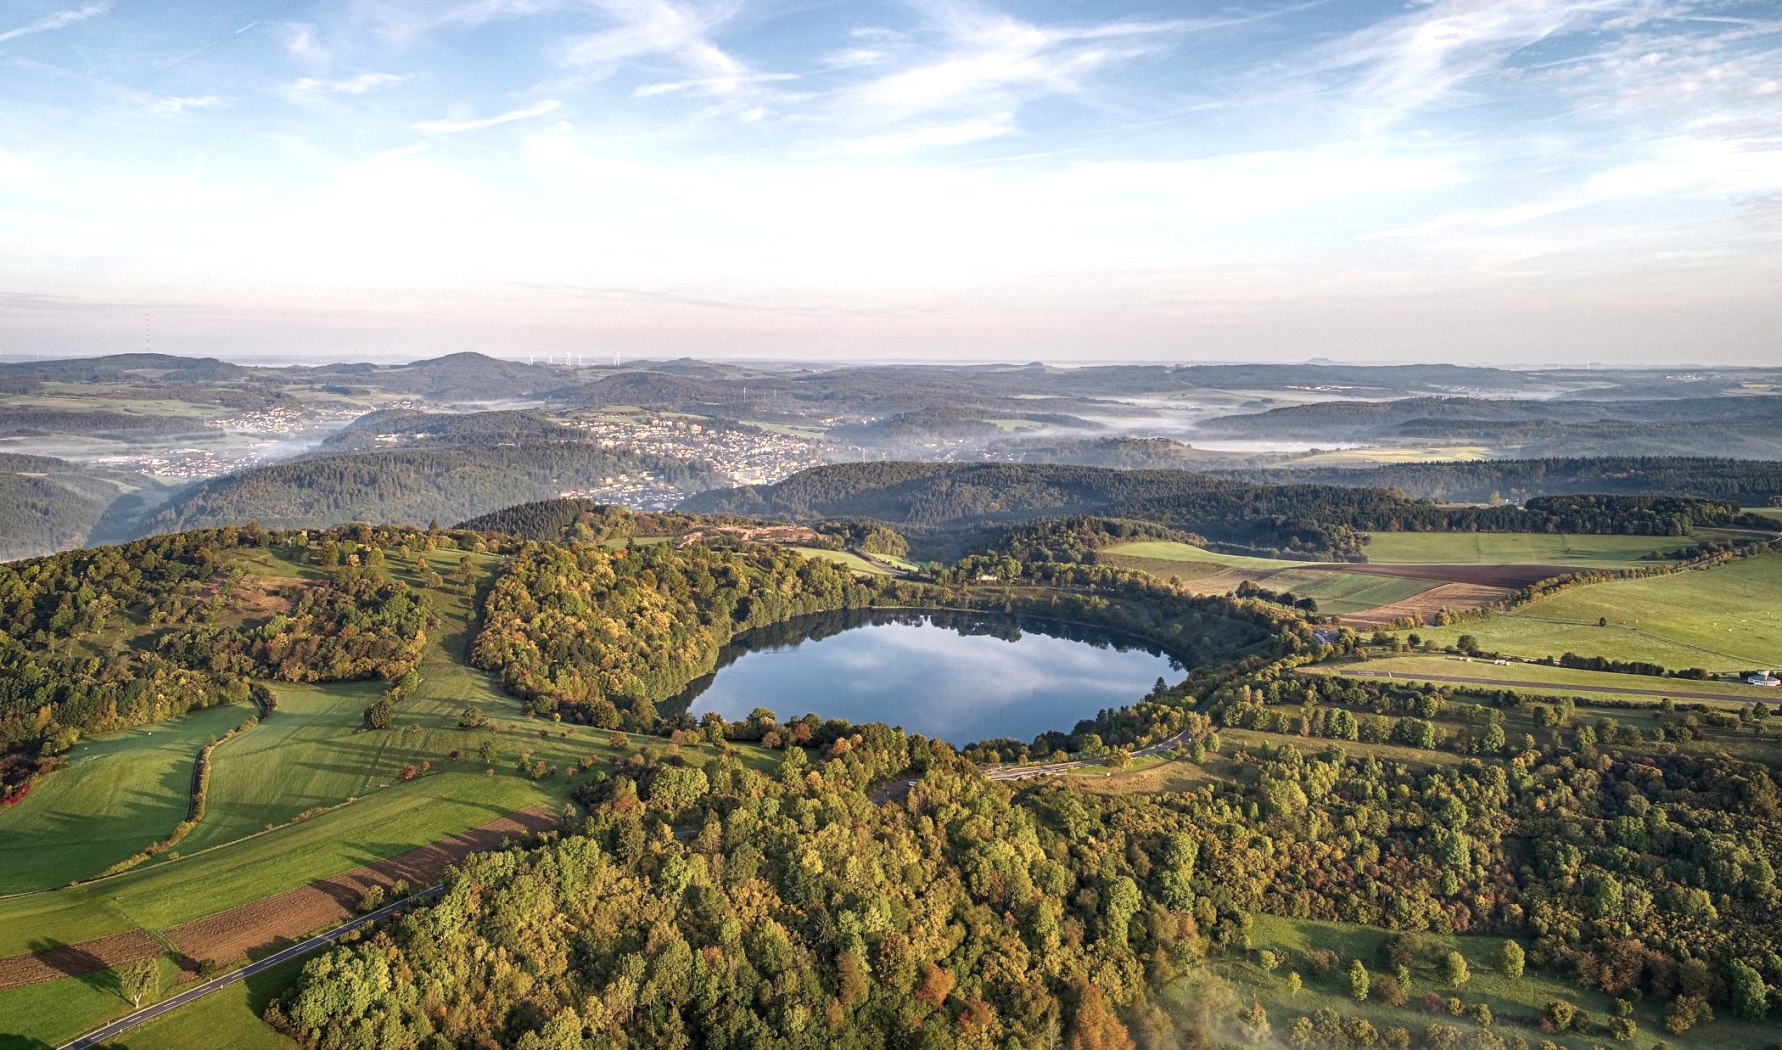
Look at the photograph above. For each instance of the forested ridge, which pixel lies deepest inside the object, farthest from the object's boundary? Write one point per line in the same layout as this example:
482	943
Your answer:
406	485
156	611
604	633
1746	481
1308	520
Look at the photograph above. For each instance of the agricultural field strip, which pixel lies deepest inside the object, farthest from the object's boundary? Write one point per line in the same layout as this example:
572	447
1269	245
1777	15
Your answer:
277	918
1539	677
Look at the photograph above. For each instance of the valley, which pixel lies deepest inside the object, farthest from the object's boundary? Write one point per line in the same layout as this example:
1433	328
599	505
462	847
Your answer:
248	727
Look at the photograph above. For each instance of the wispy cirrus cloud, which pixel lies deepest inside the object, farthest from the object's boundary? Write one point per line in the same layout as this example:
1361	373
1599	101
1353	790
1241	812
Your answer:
59	20
458	127
1406	64
680	34
991	61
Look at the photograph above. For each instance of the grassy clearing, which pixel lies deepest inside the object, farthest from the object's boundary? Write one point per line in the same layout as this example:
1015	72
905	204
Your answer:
1515	1003
1233	738
118	794
1549	679
310	752
847	558
1168	550
1512	548
1724	619
1148	777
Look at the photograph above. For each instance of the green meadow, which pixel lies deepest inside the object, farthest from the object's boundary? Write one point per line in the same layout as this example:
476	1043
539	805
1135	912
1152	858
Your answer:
116	795
1514	548
1726	618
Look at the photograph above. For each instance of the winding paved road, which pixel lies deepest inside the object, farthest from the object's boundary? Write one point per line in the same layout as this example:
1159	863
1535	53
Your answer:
199	991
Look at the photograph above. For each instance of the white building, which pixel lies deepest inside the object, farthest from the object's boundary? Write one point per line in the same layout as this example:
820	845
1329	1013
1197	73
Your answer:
1763	678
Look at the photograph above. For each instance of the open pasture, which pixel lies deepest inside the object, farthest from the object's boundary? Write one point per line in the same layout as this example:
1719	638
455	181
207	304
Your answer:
1515	548
1727	618
117	794
1542	679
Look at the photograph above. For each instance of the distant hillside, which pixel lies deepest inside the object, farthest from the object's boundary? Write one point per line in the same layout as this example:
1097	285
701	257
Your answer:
554	520
1120	453
23	421
1310	520
465	376
49	505
413	485
1754	483
1429	416
506	425
130	367
649	388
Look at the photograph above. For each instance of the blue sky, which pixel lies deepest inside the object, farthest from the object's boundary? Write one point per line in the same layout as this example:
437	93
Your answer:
1516	181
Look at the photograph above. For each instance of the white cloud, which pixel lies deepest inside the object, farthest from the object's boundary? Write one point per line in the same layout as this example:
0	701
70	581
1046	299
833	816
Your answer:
58	20
302	45
665	29
358	85
175	105
403	20
455	127
897	143
1411	62
992	61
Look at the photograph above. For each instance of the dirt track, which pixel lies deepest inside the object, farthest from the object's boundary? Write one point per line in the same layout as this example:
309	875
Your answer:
265	925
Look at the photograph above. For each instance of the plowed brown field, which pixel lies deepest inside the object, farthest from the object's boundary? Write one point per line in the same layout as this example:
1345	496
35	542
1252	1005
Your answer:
265	925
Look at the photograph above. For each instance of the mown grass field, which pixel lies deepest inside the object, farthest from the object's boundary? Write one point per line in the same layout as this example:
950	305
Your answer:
1169	550
1723	619
1513	548
1600	684
847	558
1337	592
116	795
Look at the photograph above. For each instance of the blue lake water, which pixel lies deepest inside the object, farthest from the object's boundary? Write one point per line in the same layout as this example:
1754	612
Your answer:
961	678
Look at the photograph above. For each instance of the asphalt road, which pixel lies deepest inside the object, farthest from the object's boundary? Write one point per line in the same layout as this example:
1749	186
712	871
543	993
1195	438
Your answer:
199	991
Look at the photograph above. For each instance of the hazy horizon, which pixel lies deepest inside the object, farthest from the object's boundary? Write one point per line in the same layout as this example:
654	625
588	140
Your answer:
1519	183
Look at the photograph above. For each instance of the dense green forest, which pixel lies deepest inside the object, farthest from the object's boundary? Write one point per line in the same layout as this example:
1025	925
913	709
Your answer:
787	908
604	634
48	504
411	485
447	427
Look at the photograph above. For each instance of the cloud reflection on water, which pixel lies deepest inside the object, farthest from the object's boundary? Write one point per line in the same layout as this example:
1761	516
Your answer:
936	681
